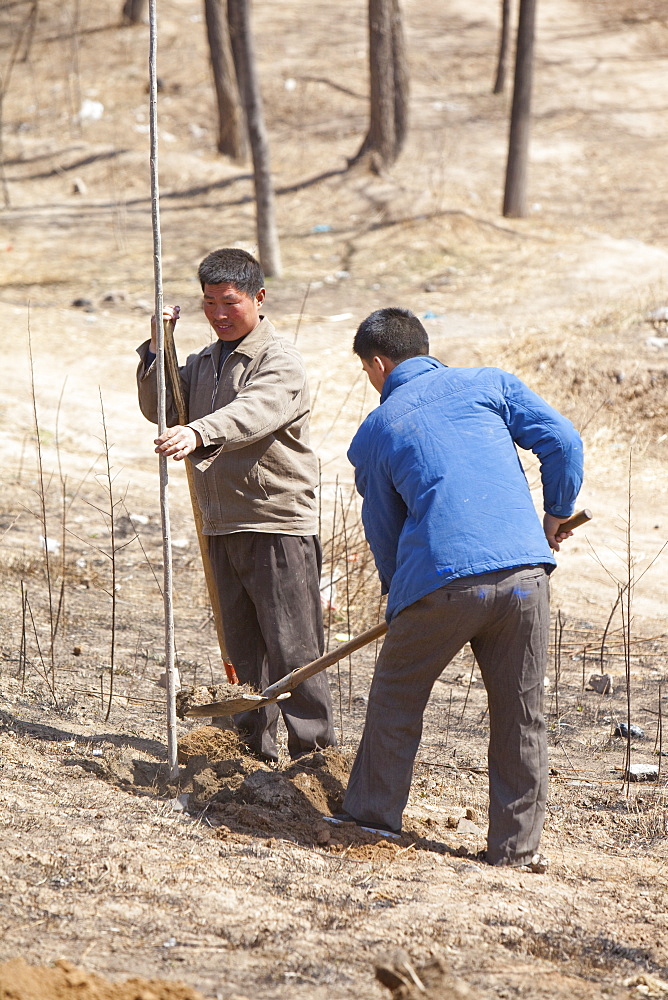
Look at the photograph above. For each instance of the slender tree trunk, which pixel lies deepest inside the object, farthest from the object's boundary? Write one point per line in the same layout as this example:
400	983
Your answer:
134	12
515	195
249	88
231	125
504	45
388	75
25	31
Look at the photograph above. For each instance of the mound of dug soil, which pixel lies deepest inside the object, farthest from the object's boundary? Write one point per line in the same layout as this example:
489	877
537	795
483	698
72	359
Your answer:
244	798
64	981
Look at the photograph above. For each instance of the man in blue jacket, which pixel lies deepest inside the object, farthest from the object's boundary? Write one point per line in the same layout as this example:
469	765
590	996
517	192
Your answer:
462	557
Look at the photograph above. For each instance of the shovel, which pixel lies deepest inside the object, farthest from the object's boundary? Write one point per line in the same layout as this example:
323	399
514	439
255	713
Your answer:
172	366
281	689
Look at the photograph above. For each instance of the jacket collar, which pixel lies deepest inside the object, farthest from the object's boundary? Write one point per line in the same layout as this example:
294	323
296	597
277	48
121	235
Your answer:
251	343
407	371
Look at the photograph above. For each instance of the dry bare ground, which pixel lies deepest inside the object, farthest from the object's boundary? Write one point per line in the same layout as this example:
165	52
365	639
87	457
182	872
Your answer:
230	882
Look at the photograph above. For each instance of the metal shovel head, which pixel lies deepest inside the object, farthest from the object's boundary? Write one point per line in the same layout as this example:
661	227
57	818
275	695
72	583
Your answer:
231	706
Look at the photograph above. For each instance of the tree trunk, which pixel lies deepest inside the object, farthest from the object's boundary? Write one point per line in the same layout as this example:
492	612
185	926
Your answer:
249	88
134	12
504	40
231	125
388	73
515	195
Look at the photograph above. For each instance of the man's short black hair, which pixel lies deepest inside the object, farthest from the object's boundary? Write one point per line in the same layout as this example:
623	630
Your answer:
394	333
231	266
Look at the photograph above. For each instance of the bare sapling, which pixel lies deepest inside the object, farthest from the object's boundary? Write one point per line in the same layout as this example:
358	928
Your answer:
301	312
658	743
559	624
43	520
330	603
45	673
468	688
627	621
346	557
23	647
338	412
109	513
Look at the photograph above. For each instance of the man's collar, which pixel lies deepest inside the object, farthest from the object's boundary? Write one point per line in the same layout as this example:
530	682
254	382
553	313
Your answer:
251	343
408	370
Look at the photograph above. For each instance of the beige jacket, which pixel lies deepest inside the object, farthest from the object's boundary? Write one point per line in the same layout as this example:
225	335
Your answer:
255	470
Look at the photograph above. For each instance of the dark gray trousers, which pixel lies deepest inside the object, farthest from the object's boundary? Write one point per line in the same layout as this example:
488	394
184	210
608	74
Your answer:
269	592
505	617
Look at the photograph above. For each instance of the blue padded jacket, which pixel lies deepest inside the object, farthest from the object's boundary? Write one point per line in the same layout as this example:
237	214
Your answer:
445	495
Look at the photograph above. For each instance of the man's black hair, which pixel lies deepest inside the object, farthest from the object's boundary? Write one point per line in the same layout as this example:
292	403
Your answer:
394	333
231	266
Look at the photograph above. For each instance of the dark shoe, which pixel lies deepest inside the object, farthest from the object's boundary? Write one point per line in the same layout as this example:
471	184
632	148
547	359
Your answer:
538	864
369	825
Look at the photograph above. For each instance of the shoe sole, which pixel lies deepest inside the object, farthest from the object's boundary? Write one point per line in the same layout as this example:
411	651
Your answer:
360	826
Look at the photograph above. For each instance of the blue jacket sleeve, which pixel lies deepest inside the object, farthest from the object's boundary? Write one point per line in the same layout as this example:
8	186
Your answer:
535	426
383	509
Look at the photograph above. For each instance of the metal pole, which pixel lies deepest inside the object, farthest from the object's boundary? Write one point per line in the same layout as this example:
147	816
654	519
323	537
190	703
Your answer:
162	397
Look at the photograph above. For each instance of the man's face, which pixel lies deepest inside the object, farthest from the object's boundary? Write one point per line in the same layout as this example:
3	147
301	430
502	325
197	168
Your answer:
231	313
375	373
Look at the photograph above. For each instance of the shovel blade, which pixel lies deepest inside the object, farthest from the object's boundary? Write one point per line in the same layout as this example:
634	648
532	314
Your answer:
231	706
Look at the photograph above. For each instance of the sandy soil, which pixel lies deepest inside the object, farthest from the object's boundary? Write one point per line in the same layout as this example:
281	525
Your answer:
228	881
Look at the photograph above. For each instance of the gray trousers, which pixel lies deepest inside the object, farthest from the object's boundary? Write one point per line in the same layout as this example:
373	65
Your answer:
505	617
269	591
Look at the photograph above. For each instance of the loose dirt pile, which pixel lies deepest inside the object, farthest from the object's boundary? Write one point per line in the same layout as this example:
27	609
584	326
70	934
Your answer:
20	981
243	797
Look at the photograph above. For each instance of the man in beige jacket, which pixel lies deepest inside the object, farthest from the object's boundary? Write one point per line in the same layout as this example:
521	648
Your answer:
255	477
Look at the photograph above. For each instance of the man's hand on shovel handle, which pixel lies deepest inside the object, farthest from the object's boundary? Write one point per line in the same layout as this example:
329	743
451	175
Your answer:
177	442
168	313
558	528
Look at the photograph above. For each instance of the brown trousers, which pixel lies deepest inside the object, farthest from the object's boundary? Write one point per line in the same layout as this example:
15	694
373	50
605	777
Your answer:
505	617
269	592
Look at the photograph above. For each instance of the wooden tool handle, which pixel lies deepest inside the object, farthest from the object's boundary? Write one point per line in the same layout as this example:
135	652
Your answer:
172	366
294	678
576	520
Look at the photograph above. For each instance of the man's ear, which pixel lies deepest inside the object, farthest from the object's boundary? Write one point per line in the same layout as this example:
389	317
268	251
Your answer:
259	298
384	365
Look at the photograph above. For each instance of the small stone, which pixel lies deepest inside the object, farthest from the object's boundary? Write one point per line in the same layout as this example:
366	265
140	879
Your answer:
637	732
472	814
466	826
642	772
79	186
601	683
76	651
82	304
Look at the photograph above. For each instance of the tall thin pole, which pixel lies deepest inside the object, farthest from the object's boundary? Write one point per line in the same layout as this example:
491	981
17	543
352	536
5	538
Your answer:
162	397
